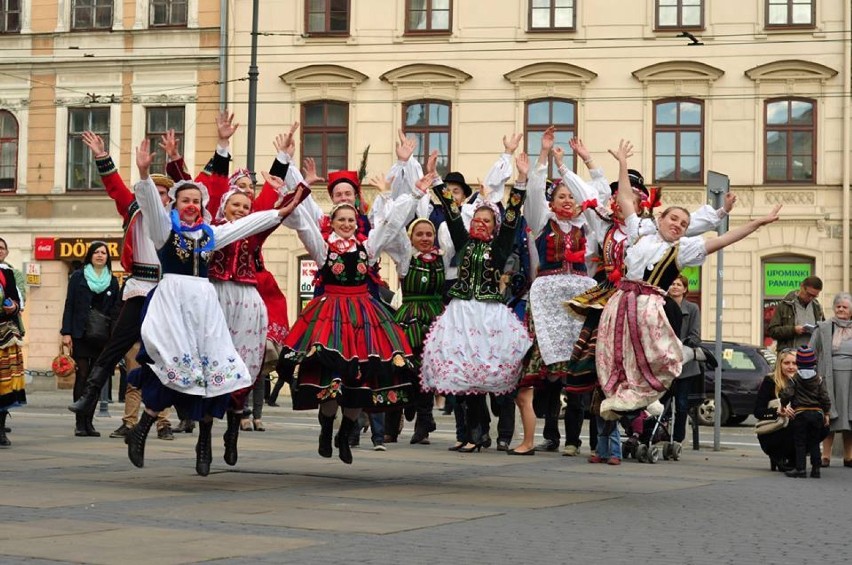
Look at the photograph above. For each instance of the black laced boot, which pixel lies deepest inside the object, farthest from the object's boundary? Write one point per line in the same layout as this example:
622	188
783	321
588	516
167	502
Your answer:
344	451
231	435
135	440
87	403
4	441
89	426
326	430
203	450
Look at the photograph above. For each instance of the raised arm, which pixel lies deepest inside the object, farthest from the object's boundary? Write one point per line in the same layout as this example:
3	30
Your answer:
732	236
113	183
155	216
625	192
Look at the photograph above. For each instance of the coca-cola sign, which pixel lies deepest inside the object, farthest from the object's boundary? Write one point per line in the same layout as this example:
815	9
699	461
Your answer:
61	249
45	248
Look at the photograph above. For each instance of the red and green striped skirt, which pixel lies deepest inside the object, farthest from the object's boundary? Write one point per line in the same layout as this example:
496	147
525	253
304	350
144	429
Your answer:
348	348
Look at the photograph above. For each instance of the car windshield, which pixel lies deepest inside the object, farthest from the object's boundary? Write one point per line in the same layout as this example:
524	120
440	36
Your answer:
737	360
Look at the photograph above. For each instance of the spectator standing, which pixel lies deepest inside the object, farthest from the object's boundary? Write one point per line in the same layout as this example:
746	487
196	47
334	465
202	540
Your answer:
12	392
796	316
832	342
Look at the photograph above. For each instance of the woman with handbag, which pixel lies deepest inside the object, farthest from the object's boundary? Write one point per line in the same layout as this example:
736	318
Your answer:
773	433
12	392
86	322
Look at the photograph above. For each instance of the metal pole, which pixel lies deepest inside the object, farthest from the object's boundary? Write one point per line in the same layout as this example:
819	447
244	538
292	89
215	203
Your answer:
717	380
106	390
717	186
252	96
223	54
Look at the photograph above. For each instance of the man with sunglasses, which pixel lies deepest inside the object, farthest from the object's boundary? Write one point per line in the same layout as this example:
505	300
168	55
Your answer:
796	316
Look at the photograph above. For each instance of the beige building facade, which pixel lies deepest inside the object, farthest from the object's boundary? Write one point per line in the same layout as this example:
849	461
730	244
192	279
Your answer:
759	92
124	69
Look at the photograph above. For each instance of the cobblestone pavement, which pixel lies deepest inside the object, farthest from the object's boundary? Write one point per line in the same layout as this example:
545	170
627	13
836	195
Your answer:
78	500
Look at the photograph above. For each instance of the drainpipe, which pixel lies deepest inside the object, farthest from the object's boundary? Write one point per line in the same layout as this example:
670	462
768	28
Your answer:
223	54
847	139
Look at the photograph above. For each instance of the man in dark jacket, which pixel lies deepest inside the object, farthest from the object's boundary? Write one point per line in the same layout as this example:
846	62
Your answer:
797	315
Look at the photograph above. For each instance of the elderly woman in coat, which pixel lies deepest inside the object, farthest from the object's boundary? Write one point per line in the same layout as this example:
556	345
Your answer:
832	341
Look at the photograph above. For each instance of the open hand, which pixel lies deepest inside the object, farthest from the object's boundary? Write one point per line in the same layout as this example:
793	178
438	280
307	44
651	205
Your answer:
730	200
309	171
624	151
578	147
285	211
144	158
168	143
522	162
225	125
94	142
272	180
405	146
511	143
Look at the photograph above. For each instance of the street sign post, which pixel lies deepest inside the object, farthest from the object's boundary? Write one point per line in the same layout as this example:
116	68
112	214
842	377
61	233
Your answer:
718	186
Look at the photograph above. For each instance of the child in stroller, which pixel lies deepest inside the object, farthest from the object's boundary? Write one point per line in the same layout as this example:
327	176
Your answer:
649	438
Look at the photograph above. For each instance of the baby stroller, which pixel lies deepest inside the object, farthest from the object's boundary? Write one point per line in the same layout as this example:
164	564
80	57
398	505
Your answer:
649	438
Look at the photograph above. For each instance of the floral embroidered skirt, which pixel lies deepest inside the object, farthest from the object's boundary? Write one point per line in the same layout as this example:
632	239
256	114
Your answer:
247	321
349	349
556	328
638	353
474	347
186	337
12	393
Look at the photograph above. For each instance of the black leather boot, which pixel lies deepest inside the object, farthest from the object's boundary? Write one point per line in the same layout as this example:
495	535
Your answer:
91	393
231	435
135	440
80	425
203	449
4	441
326	430
344	451
89	426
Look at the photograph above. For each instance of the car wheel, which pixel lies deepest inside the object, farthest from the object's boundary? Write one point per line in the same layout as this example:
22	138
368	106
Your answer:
707	412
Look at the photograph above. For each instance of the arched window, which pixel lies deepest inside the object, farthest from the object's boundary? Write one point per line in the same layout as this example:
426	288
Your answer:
325	135
679	141
541	114
790	136
429	122
8	152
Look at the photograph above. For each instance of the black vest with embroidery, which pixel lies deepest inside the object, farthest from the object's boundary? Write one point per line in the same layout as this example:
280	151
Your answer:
183	260
551	247
665	271
345	269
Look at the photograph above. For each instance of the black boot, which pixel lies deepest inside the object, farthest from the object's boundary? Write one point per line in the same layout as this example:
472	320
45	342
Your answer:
6	428
89	426
203	450
344	451
326	430
80	425
92	392
231	435
4	441
135	440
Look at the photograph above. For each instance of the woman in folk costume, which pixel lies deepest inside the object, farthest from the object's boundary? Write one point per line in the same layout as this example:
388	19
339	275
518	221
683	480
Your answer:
557	227
349	350
477	345
638	350
214	176
607	239
421	281
190	357
12	392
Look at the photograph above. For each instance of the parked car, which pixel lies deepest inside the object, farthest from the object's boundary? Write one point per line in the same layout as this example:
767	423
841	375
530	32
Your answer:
743	369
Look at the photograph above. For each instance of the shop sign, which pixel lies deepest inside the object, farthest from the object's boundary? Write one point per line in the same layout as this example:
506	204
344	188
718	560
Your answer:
69	249
33	272
781	278
693	276
307	272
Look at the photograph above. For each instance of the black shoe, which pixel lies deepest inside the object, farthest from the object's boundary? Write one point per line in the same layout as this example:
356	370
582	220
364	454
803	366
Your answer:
165	433
121	431
502	445
230	436
477	447
796	474
486	441
185	426
548	445
527	452
203	449
344	451
326	430
90	428
815	474
87	403
135	440
80	426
